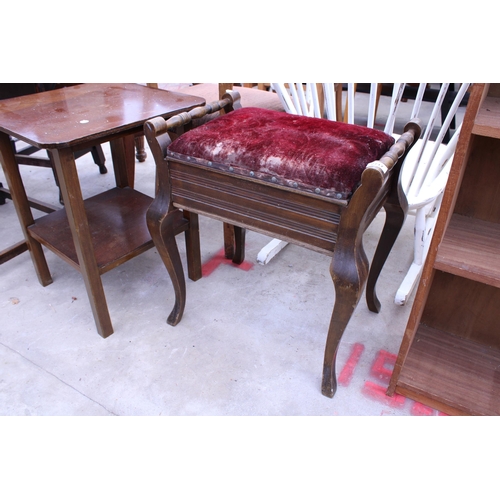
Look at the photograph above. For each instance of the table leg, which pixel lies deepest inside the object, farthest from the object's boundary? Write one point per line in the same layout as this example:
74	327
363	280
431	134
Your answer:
77	218
20	200
122	153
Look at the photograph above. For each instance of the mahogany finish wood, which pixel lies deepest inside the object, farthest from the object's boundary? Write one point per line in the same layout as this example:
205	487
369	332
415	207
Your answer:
67	120
21	247
470	249
450	353
479	193
24	154
112	244
88	113
320	223
467	371
13	251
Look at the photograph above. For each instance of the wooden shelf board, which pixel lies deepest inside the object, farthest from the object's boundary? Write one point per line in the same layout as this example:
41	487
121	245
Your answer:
488	118
432	403
453	372
470	249
117	221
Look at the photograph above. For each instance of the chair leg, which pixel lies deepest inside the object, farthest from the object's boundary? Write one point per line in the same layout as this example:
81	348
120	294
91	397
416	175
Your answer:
349	270
162	231
234	243
192	237
239	245
99	158
270	251
408	284
394	220
140	151
423	230
3	196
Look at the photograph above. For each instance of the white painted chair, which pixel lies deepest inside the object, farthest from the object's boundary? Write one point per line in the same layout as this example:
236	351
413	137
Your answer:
425	172
423	179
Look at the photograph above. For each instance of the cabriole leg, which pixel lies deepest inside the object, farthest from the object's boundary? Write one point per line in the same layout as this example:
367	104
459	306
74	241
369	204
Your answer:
234	243
349	270
394	220
163	234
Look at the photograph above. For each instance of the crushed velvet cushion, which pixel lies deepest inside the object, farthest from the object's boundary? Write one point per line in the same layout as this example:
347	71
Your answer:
320	156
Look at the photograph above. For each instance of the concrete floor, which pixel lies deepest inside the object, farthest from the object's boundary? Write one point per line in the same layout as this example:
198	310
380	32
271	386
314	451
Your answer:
251	340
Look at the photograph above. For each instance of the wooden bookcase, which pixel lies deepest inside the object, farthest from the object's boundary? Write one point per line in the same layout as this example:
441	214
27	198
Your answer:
450	353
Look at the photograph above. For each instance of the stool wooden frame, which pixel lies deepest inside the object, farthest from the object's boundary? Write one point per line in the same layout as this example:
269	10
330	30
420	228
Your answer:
332	227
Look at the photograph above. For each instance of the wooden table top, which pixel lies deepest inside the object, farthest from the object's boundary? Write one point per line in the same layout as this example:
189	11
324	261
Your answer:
73	115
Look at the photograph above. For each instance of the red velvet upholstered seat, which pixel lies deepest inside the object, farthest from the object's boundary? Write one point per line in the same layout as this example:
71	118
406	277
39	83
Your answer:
316	155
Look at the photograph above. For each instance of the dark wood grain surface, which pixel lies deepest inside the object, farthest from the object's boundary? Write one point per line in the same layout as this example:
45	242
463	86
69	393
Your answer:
72	115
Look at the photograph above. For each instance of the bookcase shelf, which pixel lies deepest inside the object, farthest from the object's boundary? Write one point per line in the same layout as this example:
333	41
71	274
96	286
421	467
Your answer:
470	249
450	354
466	370
488	118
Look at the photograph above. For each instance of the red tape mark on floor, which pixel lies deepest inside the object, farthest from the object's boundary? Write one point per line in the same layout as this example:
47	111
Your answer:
347	372
421	410
219	258
382	369
377	392
379	369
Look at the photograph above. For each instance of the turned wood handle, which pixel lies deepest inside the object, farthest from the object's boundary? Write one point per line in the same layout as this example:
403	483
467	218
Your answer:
160	126
409	137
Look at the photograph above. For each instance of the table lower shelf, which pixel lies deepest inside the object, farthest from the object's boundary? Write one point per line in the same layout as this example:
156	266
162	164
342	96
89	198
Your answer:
117	222
451	373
